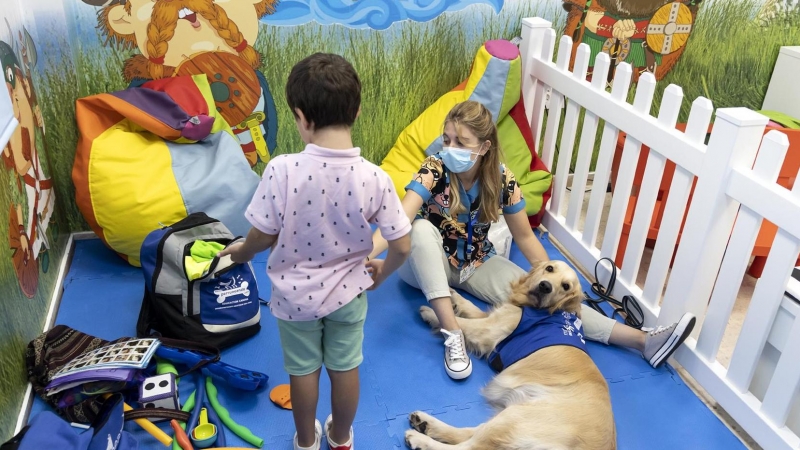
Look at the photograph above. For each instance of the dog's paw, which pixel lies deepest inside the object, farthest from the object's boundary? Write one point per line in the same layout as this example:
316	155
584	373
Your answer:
416	441
418	421
429	316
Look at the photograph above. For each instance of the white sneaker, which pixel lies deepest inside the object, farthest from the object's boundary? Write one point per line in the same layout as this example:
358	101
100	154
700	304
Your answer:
660	343
333	445
456	359
317	438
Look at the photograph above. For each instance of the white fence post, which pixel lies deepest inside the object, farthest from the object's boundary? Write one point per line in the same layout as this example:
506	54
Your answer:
733	144
533	34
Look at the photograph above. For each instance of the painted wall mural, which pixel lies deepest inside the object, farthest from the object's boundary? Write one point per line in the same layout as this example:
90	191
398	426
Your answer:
374	14
201	36
407	52
31	225
650	35
29	219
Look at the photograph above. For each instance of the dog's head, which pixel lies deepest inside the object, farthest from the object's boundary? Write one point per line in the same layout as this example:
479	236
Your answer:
550	285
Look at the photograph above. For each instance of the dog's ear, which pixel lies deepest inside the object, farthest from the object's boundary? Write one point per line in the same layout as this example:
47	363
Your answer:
570	303
519	291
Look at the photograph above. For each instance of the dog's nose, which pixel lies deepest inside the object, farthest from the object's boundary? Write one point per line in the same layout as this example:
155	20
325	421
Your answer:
545	287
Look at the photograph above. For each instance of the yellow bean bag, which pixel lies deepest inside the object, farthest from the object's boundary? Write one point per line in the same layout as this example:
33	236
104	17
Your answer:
494	80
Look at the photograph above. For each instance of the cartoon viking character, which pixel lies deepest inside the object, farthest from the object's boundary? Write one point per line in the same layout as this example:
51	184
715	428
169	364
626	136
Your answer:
190	37
650	35
27	232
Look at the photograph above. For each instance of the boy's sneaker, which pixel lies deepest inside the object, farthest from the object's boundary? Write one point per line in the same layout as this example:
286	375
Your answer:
659	344
317	438
456	359
332	445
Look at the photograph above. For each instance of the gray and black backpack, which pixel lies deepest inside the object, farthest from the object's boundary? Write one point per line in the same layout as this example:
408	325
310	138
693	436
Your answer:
221	308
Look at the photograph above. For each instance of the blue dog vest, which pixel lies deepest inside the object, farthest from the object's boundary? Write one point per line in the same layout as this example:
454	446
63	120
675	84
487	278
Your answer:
537	329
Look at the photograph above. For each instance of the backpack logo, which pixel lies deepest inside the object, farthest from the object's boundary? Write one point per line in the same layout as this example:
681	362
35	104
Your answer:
235	286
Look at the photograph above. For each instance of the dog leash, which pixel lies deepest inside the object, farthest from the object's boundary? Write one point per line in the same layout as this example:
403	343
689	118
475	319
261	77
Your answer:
628	308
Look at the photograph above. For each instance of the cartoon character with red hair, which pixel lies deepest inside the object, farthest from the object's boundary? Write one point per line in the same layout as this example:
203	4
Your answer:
211	37
27	229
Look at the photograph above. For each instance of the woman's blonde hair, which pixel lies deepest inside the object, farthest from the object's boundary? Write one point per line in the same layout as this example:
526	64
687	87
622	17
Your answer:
477	118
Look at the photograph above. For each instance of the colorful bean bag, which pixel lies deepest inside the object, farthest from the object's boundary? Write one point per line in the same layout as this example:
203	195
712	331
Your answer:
149	156
495	80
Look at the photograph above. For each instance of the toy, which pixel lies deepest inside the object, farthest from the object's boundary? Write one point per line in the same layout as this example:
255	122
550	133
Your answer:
180	436
150	428
225	417
247	380
205	434
188	406
160	391
180	157
214	419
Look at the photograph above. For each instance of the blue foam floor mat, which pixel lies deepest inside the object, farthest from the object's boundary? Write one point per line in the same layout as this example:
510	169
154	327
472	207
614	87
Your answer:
402	370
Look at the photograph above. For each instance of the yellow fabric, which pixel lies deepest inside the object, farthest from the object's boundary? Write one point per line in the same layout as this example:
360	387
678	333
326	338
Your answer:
219	123
200	256
115	178
408	152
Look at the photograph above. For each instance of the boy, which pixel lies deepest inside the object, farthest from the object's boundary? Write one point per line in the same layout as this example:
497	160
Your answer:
314	209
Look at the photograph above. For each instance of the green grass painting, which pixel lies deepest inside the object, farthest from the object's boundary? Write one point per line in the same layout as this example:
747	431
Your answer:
403	70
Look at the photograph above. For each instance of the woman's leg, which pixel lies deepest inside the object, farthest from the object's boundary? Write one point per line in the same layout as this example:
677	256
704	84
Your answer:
656	346
427	269
491	281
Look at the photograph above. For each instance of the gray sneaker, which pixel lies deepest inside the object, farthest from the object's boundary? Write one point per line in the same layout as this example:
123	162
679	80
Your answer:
456	359
659	344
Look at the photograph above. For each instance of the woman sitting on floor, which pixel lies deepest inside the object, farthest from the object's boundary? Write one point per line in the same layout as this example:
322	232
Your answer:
452	201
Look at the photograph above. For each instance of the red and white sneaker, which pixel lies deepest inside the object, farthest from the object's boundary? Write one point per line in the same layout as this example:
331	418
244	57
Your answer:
333	445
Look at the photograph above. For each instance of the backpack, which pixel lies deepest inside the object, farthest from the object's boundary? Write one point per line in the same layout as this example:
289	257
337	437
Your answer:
221	308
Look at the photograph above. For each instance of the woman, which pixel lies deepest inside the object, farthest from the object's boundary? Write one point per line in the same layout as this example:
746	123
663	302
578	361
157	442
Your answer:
451	201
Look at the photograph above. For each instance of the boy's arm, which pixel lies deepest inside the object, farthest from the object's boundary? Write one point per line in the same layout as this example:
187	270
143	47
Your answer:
255	242
411	203
399	249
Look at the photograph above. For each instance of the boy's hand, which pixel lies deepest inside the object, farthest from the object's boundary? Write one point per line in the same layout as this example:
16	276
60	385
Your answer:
237	252
375	269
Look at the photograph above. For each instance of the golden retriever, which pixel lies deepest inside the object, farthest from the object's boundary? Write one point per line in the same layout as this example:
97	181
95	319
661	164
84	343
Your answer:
554	398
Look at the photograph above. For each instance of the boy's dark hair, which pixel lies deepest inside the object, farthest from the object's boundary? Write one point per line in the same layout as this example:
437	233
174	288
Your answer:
326	88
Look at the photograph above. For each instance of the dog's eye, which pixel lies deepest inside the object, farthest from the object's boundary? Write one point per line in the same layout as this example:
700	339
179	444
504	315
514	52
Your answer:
565	286
549	268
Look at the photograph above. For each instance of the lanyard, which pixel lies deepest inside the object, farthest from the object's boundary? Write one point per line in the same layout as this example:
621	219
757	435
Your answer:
473	219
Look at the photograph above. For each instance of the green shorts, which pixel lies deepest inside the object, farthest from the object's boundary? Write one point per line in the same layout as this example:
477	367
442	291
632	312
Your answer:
334	340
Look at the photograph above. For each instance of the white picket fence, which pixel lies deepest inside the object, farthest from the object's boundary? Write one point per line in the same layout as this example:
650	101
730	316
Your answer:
734	191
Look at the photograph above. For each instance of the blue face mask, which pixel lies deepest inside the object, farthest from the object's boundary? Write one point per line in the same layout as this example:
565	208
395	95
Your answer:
457	159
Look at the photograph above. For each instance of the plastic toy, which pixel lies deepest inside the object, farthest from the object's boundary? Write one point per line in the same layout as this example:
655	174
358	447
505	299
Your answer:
151	428
247	380
225	417
205	433
160	391
180	436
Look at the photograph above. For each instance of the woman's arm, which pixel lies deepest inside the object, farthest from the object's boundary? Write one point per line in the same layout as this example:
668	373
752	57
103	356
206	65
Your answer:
523	235
412	202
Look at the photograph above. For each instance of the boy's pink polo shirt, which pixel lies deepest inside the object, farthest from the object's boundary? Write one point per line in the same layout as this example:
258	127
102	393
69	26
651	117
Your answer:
320	203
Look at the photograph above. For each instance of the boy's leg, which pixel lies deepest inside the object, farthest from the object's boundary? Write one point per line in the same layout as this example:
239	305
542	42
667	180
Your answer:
304	391
342	340
302	359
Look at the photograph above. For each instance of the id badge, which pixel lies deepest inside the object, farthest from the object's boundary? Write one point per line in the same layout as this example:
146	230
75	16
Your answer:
467	272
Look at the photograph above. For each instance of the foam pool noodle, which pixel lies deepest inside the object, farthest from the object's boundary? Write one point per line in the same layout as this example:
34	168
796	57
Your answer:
239	430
